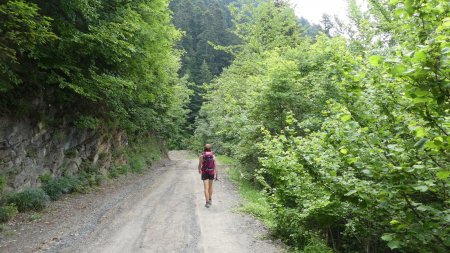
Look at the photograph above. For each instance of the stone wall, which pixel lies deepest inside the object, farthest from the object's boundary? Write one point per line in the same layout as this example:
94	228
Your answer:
28	150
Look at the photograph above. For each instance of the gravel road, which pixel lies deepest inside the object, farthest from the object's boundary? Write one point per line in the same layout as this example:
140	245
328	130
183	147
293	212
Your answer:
159	211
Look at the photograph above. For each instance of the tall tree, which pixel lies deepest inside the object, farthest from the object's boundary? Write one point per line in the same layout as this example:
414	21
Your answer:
205	23
115	56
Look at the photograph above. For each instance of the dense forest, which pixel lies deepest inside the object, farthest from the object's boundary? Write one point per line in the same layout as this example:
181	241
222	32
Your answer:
114	56
348	135
344	128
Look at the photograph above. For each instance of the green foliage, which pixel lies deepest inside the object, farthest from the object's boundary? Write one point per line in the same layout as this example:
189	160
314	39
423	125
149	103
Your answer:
102	64
8	212
45	178
205	24
316	245
87	122
22	30
117	171
137	164
57	187
82	183
29	199
348	137
255	203
140	155
2	183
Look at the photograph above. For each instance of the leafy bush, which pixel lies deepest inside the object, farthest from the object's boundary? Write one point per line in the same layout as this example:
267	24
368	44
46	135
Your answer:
118	171
30	199
45	178
2	182
55	188
8	212
137	164
316	245
86	122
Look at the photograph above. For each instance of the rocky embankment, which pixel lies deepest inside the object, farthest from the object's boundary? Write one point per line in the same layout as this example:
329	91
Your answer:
30	148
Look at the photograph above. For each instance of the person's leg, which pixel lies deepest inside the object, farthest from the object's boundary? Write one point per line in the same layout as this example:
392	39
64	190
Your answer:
206	189
210	190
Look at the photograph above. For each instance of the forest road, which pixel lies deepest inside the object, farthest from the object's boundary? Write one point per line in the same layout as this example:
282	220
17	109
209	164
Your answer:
169	216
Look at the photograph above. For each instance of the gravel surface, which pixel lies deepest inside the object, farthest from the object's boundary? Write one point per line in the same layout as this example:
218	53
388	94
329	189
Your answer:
161	210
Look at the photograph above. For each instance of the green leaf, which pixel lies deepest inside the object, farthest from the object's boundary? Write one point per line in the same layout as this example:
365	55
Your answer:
420	56
398	69
387	237
421	143
375	60
447	218
367	172
392	222
446	22
344	151
409	71
419	100
423	208
443	174
394	244
421	188
420	132
421	93
346	118
350	192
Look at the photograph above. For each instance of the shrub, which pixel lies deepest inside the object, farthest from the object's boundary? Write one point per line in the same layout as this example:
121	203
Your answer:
117	171
137	164
85	182
55	188
30	199
8	212
86	122
2	182
45	178
315	245
113	173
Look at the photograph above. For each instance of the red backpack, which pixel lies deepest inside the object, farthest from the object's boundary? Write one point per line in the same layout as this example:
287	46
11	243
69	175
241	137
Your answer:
209	164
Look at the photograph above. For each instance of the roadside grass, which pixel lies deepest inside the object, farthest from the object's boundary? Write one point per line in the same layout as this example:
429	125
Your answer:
225	160
255	201
5	230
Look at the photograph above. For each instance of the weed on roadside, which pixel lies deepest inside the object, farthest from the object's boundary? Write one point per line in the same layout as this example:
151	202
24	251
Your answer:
30	199
6	231
34	217
255	201
8	212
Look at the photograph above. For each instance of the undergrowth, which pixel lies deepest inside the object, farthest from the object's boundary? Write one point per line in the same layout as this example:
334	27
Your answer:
257	205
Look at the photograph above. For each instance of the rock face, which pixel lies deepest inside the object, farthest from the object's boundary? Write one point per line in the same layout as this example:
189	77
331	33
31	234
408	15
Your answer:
28	150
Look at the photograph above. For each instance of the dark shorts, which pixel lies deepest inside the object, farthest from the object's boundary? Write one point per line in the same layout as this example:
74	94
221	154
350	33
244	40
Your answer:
207	176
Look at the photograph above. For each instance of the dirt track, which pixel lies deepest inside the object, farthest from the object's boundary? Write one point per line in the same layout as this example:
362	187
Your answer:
161	211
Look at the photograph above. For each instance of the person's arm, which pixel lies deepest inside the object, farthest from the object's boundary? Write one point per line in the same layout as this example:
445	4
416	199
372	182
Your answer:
200	162
215	168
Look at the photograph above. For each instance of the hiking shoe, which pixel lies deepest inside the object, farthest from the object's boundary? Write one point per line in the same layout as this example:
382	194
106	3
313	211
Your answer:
207	205
210	202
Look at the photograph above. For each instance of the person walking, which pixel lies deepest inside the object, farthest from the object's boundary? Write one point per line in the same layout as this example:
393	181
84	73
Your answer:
207	169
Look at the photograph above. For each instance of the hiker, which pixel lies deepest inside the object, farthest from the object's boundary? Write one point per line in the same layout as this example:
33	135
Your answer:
207	168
